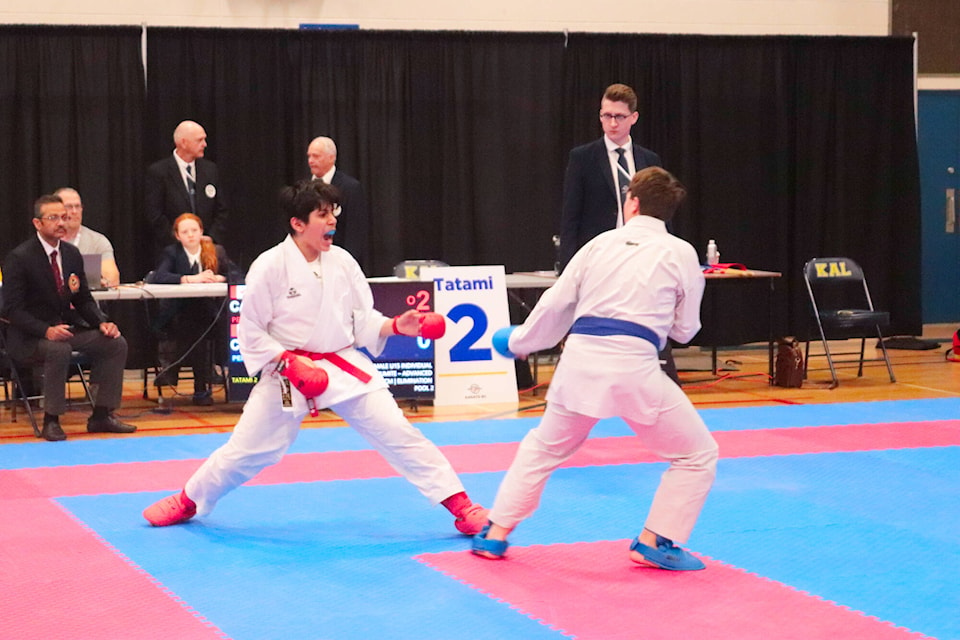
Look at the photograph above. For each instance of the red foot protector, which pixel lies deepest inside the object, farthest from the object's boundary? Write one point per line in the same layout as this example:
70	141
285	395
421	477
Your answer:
592	591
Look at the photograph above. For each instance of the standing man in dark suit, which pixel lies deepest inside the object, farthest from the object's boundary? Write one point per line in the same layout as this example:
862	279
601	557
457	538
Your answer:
185	182
593	188
598	178
353	222
52	314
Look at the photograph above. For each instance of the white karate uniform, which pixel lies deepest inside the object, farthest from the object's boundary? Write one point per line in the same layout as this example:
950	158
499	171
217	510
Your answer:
641	274
286	306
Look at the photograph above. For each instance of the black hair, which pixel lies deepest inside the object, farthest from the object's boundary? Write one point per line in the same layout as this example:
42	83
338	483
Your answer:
42	200
300	199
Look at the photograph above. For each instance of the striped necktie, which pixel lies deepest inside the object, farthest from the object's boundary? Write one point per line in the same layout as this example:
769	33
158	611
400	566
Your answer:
192	189
623	176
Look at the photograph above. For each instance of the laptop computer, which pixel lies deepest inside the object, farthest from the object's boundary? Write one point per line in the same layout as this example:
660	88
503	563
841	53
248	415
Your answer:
91	265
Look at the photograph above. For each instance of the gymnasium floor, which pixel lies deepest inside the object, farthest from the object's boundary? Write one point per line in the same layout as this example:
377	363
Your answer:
828	520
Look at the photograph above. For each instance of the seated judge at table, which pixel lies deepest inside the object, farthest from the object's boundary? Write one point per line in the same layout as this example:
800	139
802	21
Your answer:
52	314
181	322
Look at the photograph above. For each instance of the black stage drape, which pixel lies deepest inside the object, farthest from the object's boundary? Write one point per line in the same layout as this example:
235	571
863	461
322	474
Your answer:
453	135
792	147
71	114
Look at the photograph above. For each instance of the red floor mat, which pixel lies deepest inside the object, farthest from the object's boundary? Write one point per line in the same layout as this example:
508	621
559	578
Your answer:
65	582
591	591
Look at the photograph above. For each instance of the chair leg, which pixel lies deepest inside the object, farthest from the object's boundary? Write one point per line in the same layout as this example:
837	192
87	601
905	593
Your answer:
86	385
806	358
886	357
833	370
863	346
18	386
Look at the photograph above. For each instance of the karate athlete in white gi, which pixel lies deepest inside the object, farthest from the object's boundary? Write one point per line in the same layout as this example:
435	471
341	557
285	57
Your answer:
619	298
306	308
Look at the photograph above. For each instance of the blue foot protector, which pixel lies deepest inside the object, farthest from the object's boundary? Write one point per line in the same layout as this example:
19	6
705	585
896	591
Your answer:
481	545
666	556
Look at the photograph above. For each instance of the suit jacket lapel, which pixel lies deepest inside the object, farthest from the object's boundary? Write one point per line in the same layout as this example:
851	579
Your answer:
173	173
42	260
183	262
603	163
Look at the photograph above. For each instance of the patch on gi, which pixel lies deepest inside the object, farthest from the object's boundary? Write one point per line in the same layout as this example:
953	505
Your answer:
292	293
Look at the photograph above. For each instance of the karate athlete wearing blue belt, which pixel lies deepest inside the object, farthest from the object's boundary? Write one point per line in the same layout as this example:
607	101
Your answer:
620	297
306	308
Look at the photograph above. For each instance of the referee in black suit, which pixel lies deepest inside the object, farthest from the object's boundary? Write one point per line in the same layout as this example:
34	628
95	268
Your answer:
52	314
596	179
353	223
185	182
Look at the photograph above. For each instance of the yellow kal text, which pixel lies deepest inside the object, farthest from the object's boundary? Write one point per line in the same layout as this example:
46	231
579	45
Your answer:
832	270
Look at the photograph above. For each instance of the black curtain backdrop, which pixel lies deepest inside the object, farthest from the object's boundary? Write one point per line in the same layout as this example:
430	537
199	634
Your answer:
451	134
791	147
71	114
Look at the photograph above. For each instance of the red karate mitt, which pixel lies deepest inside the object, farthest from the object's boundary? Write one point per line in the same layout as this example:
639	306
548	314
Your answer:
307	378
432	325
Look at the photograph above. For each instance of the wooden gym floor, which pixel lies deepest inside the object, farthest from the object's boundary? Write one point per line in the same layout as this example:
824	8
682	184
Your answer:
742	383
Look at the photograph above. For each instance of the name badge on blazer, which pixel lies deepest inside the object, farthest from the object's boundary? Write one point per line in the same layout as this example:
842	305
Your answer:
73	282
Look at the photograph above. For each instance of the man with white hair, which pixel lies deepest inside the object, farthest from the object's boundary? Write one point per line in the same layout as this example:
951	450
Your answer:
86	239
353	224
185	182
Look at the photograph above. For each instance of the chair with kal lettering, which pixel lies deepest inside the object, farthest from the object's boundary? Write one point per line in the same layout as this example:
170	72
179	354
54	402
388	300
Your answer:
843	310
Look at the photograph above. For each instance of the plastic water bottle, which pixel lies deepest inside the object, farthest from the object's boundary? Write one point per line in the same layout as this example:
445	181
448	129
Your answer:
713	254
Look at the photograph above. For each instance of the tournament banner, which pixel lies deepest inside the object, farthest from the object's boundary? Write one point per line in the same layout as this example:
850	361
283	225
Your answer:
239	381
474	302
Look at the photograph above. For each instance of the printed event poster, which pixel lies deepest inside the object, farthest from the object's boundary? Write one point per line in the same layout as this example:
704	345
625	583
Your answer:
474	303
240	381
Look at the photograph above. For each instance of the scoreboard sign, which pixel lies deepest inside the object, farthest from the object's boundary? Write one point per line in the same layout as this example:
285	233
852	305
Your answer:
474	302
406	363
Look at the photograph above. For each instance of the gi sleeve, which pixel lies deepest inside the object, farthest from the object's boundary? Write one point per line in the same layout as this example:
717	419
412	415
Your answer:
686	322
367	321
553	314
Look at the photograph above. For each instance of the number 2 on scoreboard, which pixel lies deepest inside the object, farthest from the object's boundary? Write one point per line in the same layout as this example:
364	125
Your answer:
463	351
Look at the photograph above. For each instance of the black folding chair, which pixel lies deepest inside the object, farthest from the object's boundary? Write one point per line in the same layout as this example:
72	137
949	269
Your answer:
17	391
843	310
14	392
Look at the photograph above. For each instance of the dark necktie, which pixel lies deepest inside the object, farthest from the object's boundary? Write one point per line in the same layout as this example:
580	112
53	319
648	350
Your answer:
57	276
623	176
192	189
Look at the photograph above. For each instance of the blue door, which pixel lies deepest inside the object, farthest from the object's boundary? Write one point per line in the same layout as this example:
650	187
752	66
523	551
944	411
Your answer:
939	149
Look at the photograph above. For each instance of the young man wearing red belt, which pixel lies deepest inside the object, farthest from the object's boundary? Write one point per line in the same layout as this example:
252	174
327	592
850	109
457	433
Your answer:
306	309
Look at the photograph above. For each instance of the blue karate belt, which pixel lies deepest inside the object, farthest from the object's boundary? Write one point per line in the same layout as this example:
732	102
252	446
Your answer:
591	326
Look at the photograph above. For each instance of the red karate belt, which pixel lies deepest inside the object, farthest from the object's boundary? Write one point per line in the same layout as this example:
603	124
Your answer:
337	361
